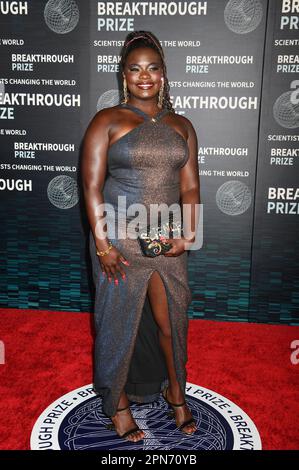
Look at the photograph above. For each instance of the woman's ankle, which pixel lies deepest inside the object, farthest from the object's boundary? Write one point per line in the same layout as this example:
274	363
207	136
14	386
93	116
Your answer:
123	401
174	390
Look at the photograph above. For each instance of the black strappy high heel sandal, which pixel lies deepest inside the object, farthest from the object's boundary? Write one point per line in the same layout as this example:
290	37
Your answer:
111	427
172	413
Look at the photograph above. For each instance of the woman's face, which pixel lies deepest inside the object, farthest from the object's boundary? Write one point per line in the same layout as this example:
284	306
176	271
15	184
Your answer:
143	72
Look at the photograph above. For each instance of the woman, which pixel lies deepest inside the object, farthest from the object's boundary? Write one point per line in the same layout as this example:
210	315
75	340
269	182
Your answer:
143	151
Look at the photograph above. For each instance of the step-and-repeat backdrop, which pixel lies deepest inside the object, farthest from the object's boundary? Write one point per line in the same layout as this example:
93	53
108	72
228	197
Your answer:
233	69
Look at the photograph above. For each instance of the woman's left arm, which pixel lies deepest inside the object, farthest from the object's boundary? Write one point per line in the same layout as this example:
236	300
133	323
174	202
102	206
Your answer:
190	194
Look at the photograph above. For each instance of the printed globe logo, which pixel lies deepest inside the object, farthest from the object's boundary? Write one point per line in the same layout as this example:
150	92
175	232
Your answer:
243	16
62	192
233	197
61	16
286	110
75	422
108	99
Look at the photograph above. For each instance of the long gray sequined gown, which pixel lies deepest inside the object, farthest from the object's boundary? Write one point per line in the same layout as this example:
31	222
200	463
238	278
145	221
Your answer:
143	165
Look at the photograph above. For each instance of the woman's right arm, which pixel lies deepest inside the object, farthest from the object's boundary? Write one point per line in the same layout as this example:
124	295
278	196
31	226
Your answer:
94	168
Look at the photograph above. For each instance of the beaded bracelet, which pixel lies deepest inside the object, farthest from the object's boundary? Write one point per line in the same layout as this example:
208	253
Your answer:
103	253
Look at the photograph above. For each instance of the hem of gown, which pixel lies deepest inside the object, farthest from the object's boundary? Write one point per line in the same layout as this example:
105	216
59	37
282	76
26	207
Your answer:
138	398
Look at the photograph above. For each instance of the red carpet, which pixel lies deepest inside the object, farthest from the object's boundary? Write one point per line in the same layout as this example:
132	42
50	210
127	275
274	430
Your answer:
49	354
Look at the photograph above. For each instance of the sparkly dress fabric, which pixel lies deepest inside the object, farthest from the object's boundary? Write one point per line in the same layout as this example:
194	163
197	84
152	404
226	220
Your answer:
144	166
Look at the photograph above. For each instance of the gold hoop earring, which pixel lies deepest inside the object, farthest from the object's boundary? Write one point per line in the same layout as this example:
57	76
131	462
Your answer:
125	91
161	93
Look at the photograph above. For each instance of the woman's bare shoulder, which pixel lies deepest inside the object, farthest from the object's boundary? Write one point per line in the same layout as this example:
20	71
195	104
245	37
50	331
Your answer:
184	120
105	118
185	123
107	114
182	123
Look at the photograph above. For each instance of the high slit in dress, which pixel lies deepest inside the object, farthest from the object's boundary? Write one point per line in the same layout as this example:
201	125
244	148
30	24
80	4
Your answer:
144	166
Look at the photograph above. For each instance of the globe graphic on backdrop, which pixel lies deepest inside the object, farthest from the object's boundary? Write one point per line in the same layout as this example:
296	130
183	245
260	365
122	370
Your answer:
286	110
63	192
243	16
61	16
233	197
108	99
86	429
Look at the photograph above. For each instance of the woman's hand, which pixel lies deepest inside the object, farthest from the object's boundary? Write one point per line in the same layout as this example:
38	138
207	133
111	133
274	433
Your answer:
110	265
178	245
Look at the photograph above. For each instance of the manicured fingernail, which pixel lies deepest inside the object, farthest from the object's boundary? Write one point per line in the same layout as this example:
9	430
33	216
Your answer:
116	282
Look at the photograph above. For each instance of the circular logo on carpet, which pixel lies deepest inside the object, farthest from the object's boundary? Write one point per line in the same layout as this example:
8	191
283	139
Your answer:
75	422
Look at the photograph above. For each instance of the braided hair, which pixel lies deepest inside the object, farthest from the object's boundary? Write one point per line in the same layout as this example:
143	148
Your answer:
138	39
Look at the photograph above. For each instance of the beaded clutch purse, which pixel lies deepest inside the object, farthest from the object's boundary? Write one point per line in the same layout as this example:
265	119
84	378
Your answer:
149	238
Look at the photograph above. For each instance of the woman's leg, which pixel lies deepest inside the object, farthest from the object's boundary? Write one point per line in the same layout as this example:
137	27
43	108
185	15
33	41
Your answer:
159	305
124	421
